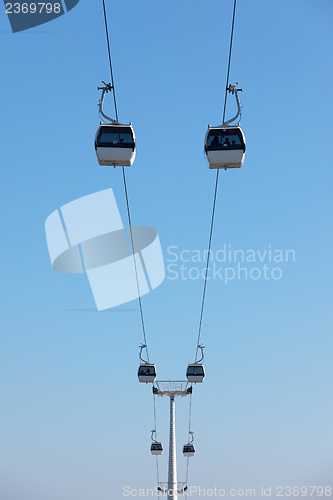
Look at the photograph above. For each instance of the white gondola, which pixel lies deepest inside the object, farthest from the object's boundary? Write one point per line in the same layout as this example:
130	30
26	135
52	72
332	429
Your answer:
195	372
225	145
115	145
156	447
189	449
147	371
114	142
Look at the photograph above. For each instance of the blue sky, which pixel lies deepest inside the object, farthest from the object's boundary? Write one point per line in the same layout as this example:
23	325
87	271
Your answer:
75	423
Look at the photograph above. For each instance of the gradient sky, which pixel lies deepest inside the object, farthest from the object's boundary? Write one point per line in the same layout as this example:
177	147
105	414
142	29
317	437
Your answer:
75	423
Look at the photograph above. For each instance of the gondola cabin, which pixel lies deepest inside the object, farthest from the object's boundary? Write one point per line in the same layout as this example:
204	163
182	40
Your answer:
156	448
195	373
147	373
188	450
225	147
115	145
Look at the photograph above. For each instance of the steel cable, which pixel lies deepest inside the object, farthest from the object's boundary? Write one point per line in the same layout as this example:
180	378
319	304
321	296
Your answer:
216	186
124	181
129	217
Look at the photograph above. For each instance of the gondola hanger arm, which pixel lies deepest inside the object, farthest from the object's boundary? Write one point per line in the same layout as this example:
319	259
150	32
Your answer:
201	347
107	88
142	346
234	90
153	432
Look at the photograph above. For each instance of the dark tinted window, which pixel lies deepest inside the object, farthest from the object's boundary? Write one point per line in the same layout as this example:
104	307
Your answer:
146	370
224	139
115	135
195	370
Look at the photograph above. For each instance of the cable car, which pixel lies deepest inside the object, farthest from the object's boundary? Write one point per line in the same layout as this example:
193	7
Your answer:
156	448
147	373
195	373
188	450
114	142
115	145
225	145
